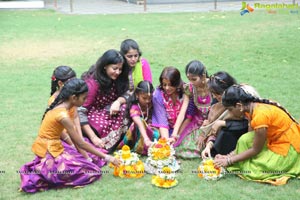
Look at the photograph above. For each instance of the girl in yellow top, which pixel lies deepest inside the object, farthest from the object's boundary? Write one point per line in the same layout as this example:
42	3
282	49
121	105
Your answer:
60	76
54	166
271	153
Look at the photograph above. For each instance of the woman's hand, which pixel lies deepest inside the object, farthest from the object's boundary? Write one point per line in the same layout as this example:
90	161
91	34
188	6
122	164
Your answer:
219	156
172	139
147	142
205	122
97	141
113	160
206	152
217	126
221	162
200	142
115	107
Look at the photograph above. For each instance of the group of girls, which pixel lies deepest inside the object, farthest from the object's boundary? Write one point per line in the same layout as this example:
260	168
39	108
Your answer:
114	103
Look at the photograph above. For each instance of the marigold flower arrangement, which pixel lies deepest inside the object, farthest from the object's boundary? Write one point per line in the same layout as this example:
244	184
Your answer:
160	154
165	178
161	150
208	171
131	166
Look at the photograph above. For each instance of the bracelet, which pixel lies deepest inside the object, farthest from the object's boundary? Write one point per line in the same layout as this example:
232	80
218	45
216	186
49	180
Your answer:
229	161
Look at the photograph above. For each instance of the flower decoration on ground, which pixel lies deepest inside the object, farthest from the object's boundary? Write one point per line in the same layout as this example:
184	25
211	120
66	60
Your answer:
160	154
131	166
165	178
208	171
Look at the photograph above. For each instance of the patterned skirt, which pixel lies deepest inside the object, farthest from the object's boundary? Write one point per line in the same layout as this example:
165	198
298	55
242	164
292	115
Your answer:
69	169
267	166
110	128
95	159
135	140
186	145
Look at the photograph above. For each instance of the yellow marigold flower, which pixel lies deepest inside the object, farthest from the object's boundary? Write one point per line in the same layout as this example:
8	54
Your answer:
166	170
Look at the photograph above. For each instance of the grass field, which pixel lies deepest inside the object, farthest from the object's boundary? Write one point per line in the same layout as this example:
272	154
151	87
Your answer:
260	49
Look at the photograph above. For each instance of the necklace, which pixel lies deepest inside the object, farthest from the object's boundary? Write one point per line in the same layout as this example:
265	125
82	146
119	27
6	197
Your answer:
147	112
205	100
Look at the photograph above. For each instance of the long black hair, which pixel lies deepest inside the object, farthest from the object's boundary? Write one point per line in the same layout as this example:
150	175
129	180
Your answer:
236	94
74	86
220	81
142	87
98	72
173	75
61	73
90	73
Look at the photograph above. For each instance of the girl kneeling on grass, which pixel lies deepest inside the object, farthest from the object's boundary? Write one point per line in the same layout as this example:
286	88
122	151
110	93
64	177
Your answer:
271	153
60	76
54	166
140	134
197	100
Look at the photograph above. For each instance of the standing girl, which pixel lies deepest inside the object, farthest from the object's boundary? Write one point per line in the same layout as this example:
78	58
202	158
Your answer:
271	153
102	115
196	103
139	68
167	101
140	134
54	166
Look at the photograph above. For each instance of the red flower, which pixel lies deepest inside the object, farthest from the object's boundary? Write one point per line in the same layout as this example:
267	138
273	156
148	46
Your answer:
53	78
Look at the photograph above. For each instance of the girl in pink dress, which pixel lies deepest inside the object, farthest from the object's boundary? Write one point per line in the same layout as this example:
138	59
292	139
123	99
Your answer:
141	133
102	115
167	101
196	104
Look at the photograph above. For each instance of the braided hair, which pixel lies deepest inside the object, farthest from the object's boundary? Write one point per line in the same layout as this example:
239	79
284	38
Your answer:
142	87
237	94
61	73
74	86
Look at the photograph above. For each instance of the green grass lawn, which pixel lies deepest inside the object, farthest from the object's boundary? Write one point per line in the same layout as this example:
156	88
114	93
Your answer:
259	48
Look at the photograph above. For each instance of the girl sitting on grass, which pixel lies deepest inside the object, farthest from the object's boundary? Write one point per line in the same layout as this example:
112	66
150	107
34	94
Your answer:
197	100
60	75
54	166
271	153
140	134
167	101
